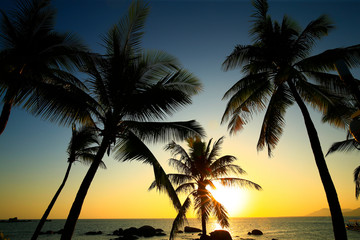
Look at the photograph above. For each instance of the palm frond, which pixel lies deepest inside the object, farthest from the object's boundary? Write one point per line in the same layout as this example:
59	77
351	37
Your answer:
274	122
248	97
333	107
339	113
132	25
180	166
177	149
179	179
221	214
344	146
239	56
186	187
326	60
239	182
222	161
215	151
156	65
164	131
328	80
315	30
227	169
62	104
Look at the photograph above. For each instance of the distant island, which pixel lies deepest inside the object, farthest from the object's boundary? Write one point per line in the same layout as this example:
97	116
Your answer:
325	212
15	219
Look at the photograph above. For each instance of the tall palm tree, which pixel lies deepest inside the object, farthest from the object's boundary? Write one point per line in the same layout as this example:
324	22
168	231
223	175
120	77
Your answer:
133	90
198	170
278	69
82	147
35	64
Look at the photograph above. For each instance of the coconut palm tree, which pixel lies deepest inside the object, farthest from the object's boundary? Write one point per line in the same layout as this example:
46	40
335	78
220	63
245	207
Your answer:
82	147
133	91
35	64
198	170
277	69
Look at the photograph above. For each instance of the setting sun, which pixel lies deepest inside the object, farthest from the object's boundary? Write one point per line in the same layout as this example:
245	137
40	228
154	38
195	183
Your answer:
234	199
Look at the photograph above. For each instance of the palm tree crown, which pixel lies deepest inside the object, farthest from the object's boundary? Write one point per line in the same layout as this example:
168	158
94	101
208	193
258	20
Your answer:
198	170
277	62
35	64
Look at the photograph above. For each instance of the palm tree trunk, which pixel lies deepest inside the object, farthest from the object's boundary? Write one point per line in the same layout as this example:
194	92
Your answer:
202	199
81	194
203	223
331	195
5	114
47	212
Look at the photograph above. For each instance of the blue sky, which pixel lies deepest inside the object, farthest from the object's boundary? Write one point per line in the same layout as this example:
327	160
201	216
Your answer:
200	34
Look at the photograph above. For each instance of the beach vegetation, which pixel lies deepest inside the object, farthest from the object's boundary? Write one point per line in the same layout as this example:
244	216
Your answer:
199	169
133	90
278	72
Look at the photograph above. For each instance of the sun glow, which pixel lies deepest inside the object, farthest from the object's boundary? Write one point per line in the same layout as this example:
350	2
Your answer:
234	199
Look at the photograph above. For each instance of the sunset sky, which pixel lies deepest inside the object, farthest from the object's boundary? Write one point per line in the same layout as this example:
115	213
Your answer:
200	34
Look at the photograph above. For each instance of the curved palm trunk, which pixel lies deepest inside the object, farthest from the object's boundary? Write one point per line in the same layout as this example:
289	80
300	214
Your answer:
331	195
5	114
81	194
47	212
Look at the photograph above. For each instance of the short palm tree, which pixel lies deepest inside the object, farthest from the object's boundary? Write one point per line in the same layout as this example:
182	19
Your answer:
277	69
35	64
133	91
198	170
82	147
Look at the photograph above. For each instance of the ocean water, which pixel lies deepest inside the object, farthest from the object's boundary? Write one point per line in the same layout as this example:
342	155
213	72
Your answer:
290	228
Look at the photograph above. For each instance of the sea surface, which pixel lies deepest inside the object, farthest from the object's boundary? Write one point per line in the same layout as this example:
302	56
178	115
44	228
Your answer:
291	228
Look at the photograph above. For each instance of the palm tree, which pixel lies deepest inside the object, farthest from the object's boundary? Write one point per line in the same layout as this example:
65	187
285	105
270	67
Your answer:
133	90
277	69
82	147
198	170
35	64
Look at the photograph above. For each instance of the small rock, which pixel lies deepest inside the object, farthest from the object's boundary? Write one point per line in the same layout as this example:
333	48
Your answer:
93	233
255	232
188	229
